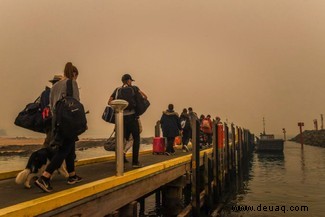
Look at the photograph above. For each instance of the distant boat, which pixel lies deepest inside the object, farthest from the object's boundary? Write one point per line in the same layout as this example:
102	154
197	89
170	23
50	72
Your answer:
267	142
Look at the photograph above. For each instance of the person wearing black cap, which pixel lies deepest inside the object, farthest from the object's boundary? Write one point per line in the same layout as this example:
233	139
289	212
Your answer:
131	124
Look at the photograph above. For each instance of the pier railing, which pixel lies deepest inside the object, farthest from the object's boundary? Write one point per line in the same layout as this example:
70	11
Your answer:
216	179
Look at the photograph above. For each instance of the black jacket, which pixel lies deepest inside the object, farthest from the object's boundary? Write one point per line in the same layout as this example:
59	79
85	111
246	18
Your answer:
170	123
45	98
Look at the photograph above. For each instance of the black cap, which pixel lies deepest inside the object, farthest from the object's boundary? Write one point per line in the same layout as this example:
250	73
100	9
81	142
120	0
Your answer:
126	77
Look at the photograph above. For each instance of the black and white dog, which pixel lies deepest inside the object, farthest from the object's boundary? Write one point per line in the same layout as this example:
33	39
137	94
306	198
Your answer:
36	165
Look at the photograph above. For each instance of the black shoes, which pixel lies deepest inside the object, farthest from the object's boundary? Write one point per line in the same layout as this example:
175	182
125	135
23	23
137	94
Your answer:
74	179
169	153
137	165
44	184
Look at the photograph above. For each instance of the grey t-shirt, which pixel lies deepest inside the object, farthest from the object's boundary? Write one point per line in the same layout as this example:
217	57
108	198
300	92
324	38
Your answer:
59	90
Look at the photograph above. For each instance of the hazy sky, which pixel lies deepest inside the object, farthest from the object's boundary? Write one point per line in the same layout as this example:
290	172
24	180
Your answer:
240	60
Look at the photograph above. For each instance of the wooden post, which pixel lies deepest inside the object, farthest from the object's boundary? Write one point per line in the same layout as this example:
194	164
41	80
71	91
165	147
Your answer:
207	182
130	210
240	157
195	168
237	158
244	144
233	152
321	122
187	191
142	206
215	158
301	124
173	196
284	134
239	153
219	162
227	157
316	124
158	198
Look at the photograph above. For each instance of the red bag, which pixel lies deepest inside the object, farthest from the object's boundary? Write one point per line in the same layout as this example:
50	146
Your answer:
158	145
178	140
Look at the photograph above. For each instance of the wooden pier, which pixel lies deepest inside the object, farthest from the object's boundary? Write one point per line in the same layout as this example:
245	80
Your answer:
184	184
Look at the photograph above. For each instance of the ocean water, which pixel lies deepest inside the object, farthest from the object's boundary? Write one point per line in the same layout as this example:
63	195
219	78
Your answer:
10	163
288	184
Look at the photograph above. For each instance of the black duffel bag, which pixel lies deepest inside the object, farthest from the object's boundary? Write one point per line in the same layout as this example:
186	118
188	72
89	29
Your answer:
109	114
142	103
31	117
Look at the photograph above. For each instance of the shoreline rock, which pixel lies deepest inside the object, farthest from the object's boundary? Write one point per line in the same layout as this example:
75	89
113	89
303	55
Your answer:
311	137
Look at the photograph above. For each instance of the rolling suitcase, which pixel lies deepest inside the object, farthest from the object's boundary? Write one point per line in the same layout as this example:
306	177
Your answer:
158	145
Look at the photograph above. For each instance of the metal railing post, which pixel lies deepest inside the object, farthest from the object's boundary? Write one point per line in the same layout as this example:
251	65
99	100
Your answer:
119	106
195	167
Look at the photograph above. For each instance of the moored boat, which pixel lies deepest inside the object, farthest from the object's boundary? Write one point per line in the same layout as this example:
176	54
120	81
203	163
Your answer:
267	142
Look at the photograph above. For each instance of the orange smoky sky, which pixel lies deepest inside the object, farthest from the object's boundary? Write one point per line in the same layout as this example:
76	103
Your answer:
240	60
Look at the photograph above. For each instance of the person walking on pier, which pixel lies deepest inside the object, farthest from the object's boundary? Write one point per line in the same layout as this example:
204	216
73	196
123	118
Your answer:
66	149
191	114
186	129
206	127
46	112
170	125
131	124
217	120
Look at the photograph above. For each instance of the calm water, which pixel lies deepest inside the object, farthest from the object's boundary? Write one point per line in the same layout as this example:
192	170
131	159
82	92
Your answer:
284	185
9	163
